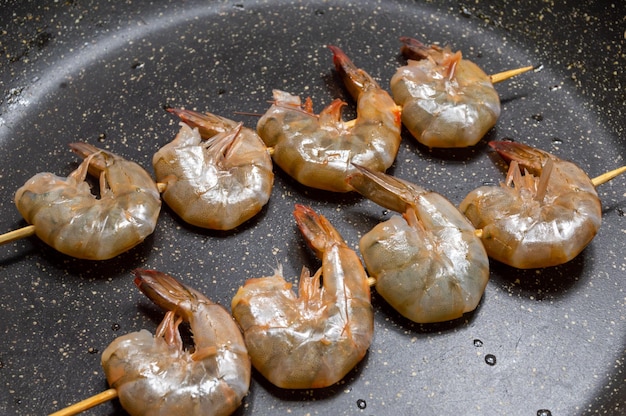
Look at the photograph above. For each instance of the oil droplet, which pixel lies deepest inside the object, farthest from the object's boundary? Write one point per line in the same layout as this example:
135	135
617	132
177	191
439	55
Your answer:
544	412
537	117
92	350
478	343
385	212
361	404
490	359
556	140
554	87
115	327
101	137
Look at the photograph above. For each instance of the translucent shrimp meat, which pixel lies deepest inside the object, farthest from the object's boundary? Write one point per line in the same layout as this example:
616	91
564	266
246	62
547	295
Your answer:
446	101
68	217
154	375
217	173
318	150
428	264
543	218
314	339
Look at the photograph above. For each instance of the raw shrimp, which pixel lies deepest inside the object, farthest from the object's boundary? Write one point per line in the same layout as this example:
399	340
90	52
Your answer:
218	183
544	218
446	101
428	264
68	217
315	339
317	150
156	376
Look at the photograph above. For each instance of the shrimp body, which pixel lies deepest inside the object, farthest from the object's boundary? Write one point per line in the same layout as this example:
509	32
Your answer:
156	376
69	218
217	173
446	101
314	339
543	218
428	264
318	150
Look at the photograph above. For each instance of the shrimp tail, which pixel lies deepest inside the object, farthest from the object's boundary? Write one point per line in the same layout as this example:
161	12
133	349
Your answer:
383	189
527	157
355	79
165	291
208	124
97	164
316	229
413	48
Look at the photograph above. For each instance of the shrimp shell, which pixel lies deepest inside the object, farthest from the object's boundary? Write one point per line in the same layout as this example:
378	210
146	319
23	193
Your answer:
446	101
156	376
317	150
315	339
428	264
69	218
544	218
218	174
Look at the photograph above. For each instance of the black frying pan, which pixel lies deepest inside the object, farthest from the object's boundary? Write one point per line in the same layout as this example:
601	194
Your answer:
102	71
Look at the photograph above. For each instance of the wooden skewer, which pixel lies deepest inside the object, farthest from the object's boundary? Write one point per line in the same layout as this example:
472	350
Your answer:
30	229
605	177
17	234
503	76
88	403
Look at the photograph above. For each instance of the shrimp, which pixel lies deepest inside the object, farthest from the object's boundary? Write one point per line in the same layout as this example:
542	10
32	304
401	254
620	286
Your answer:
315	339
219	183
544	218
69	218
156	376
428	264
446	101
317	150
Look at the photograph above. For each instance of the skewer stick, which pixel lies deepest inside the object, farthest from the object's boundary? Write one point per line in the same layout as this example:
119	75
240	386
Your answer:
88	403
30	229
503	76
17	234
605	177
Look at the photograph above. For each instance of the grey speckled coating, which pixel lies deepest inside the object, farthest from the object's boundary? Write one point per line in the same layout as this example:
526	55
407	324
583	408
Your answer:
101	71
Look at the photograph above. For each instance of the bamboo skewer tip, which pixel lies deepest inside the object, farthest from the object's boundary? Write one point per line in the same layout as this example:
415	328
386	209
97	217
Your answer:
17	234
605	177
503	76
86	404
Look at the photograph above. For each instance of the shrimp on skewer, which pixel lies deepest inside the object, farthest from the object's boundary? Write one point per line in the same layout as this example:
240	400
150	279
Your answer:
155	376
428	264
217	174
317	150
315	339
69	218
446	101
543	218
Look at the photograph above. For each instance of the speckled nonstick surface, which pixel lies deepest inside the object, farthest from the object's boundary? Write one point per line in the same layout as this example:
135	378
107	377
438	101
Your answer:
102	71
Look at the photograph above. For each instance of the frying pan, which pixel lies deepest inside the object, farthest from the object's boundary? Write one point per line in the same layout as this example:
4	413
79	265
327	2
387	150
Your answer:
101	72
